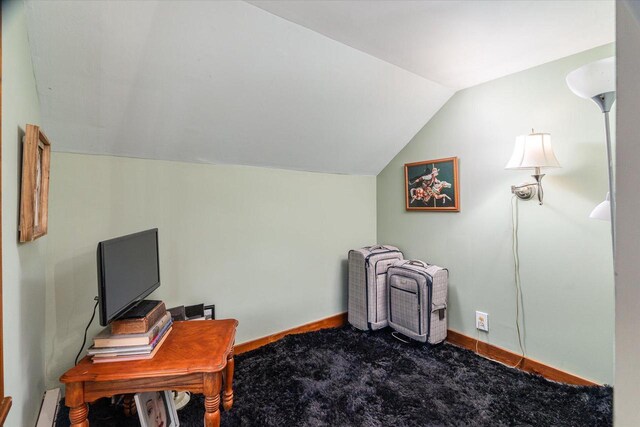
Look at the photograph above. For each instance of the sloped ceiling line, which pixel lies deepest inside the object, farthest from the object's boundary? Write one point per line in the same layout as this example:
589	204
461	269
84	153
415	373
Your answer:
231	83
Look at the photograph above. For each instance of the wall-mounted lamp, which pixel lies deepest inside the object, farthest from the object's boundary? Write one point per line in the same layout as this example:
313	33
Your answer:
532	152
597	81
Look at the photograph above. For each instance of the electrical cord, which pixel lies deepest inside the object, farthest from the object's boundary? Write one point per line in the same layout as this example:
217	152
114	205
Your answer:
516	261
84	340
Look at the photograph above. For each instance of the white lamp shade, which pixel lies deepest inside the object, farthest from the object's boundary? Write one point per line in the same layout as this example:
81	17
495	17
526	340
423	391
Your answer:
593	79
533	151
602	211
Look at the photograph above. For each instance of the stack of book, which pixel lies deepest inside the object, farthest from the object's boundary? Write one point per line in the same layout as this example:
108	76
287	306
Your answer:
132	339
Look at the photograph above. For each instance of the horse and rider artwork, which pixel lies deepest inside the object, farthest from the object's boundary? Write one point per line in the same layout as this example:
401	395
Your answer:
432	185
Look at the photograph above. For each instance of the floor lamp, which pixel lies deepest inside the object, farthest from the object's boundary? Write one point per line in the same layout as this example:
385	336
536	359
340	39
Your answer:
597	81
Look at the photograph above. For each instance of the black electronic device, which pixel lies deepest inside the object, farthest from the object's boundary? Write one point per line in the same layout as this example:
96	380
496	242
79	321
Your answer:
194	311
177	313
128	271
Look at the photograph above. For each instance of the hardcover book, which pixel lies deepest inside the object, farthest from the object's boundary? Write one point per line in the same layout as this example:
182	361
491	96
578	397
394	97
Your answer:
127	358
135	349
106	339
139	324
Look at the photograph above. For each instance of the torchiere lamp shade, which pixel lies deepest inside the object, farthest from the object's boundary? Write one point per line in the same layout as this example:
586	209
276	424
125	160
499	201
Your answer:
593	79
603	210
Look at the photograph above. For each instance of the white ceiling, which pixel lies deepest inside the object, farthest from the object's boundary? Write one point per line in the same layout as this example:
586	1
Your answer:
228	82
457	43
218	82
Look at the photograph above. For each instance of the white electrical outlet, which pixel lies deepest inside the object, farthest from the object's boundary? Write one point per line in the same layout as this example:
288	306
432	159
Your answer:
482	321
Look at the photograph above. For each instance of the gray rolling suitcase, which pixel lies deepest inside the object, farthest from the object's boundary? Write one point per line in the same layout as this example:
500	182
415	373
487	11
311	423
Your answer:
417	300
368	285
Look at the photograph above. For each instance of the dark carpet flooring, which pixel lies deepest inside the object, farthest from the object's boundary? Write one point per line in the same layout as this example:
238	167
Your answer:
344	377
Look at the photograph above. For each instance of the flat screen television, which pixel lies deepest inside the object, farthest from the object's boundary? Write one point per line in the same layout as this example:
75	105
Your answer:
128	271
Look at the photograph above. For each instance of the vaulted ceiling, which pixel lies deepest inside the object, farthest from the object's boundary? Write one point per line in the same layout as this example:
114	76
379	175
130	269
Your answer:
457	43
330	86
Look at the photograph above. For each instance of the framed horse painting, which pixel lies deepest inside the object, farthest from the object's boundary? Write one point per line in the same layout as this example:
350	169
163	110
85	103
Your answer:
432	185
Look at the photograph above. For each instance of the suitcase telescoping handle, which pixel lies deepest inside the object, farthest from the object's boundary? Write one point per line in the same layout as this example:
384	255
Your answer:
417	262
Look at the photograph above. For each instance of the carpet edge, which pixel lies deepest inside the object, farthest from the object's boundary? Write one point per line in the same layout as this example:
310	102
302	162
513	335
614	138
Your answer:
485	349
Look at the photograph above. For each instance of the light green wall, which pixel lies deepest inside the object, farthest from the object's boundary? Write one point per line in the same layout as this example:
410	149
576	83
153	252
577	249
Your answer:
566	261
22	264
267	246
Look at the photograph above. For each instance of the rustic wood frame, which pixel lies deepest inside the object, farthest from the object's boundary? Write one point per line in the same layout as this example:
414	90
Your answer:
34	194
456	186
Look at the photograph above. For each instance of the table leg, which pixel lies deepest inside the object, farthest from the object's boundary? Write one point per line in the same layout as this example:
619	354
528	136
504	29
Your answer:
78	409
78	416
212	383
227	395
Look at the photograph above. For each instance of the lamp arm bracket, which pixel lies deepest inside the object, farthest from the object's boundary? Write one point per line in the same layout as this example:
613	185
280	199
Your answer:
521	186
524	191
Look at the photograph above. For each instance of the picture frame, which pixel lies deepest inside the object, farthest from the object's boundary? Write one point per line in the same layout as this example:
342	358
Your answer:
34	187
156	408
210	311
432	185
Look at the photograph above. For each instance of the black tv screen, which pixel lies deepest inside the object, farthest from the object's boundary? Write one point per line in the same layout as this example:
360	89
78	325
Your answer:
128	271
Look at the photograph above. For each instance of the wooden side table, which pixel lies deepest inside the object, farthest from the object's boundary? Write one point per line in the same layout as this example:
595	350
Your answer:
197	356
